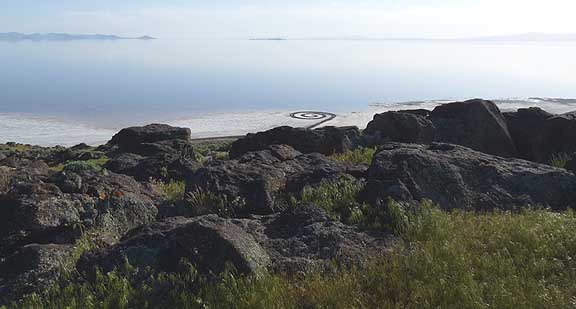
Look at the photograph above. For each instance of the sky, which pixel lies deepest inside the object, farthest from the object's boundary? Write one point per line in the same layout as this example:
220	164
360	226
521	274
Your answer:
290	18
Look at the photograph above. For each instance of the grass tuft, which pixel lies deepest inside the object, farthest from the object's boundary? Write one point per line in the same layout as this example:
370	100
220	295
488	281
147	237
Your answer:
560	160
357	156
174	190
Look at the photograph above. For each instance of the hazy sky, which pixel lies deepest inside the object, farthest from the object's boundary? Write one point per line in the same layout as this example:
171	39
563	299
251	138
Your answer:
292	18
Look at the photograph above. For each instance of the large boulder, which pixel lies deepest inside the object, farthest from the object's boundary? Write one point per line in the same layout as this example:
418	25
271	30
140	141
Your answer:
297	240
404	127
130	139
525	125
43	214
557	136
257	177
477	124
32	267
457	177
155	151
208	242
326	140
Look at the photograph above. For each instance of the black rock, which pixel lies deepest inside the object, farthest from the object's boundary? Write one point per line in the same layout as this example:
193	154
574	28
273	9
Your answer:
477	124
326	140
457	177
525	125
402	127
557	136
257	177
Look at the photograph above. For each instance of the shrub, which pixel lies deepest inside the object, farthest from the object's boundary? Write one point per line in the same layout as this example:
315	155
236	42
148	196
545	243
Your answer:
358	156
444	260
173	190
203	201
337	198
560	160
80	166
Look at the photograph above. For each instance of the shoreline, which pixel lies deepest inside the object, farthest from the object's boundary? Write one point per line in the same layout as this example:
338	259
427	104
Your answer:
35	130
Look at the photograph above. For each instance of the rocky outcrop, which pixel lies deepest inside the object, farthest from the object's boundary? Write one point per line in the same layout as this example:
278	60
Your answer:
457	177
525	126
32	268
299	239
556	136
208	242
404	127
257	177
477	124
326	140
155	151
43	214
131	139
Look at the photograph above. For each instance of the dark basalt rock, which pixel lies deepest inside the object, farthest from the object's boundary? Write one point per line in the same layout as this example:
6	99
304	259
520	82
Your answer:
32	268
477	124
299	239
457	177
402	127
130	139
43	214
571	165
155	151
326	140
557	135
525	126
257	177
208	242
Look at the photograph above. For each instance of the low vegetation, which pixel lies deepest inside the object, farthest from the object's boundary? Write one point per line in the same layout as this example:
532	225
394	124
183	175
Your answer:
457	259
202	202
560	160
173	190
361	155
91	165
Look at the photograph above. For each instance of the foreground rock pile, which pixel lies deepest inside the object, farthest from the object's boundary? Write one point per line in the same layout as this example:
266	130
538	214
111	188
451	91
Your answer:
464	155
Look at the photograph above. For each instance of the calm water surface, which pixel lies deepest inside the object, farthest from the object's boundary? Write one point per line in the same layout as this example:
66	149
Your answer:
113	83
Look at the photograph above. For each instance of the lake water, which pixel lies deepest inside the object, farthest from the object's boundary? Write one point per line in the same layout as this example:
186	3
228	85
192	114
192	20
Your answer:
64	91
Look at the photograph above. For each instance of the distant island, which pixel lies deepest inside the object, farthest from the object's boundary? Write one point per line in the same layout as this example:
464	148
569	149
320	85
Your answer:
268	39
16	36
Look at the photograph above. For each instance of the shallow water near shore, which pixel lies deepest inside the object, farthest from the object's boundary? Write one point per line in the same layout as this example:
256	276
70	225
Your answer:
70	92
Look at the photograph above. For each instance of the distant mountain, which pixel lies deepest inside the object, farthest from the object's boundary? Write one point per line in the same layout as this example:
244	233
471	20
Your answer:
15	36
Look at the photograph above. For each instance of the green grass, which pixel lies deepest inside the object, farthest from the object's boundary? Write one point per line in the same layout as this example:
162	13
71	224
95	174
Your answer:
174	190
444	260
357	156
203	202
337	198
560	160
94	164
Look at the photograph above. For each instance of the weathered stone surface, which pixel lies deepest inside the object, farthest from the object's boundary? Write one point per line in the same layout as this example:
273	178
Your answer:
31	268
557	136
525	126
256	177
299	239
477	124
457	177
402	127
208	242
130	139
156	151
326	140
43	214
